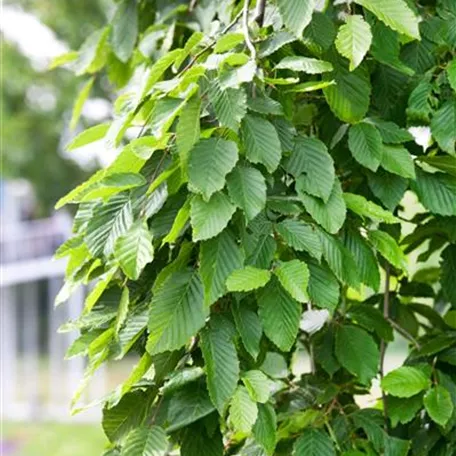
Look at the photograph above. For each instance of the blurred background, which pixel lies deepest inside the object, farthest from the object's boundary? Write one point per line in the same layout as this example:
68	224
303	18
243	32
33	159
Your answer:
36	382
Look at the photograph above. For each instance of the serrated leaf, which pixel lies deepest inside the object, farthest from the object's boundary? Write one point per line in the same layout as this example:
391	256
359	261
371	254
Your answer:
196	442
304	64
134	249
230	105
388	188
145	442
209	162
388	248
296	14
390	132
88	136
439	405
357	351
274	42
451	74
405	381
108	223
243	411
330	215
314	442
227	42
262	104
436	192
249	327
80	101
442	162
448	273
310	156
279	314
300	236
349	98
364	257
264	430
365	144
111	184
371	319
394	13
219	257
177	312
364	208
210	218
294	277
397	160
443	127
188	128
354	39
258	385
125	29
221	361
247	279
247	189
262	143
403	410
92	56
323	287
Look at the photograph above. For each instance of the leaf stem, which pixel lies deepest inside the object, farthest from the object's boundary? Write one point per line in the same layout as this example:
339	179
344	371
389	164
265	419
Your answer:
245	28
404	333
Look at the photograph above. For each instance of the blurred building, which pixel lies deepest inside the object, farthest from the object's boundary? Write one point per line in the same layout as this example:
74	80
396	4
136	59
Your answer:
36	381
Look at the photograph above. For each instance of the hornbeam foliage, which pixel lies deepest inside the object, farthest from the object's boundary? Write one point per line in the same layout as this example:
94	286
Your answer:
264	165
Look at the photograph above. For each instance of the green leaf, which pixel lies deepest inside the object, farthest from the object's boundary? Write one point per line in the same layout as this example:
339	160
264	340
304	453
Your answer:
436	192
188	128
388	188
443	126
442	162
188	405
221	361
80	101
371	319
330	215
209	162
92	53
258	385
163	114
196	442
354	39
219	257
262	143
390	132
364	257
134	249
394	13
397	160
323	287
112	184
365	144
314	442
405	381
228	42
125	29
247	189
88	136
304	64
300	236
349	98
451	74
179	224
265	427
274	42
110	221
388	248
320	33
294	277
210	218
439	405
262	104
177	312
230	105
146	442
364	208
279	314
63	59
403	410
243	411
357	351
310	86
310	156
249	327
247	279
448	273
419	107
296	14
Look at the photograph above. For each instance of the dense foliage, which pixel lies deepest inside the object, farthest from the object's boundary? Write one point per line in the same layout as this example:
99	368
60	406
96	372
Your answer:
264	209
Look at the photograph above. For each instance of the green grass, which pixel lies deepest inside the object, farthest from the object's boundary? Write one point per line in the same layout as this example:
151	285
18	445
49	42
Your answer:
52	439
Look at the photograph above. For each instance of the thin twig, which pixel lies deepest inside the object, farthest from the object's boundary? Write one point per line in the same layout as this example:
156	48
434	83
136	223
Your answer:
260	10
404	333
245	28
383	344
212	43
